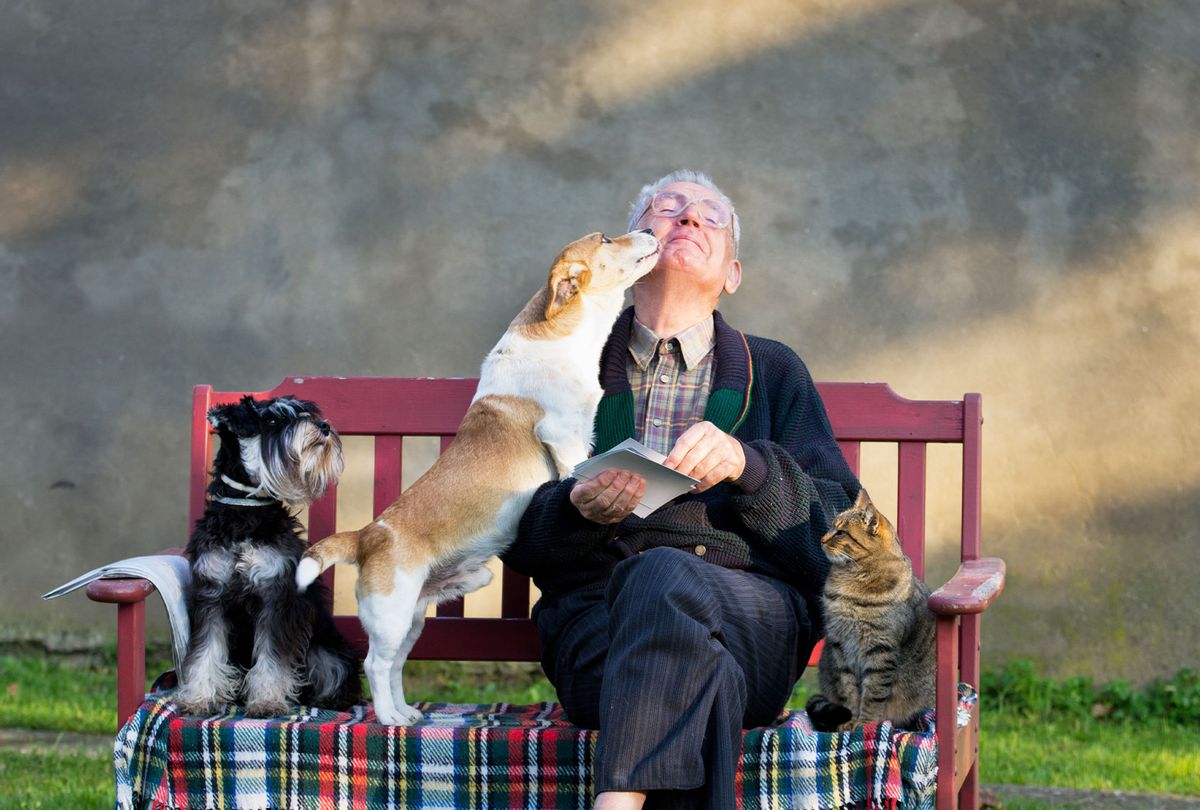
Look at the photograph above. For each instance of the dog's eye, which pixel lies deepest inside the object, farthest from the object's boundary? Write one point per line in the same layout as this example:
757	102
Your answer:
605	240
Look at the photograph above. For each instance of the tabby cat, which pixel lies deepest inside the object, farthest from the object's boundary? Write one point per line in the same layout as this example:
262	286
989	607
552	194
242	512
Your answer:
880	648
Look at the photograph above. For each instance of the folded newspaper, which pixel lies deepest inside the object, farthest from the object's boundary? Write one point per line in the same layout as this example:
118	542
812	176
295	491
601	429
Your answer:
662	483
171	576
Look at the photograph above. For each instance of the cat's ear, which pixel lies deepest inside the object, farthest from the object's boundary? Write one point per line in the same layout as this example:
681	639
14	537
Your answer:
870	515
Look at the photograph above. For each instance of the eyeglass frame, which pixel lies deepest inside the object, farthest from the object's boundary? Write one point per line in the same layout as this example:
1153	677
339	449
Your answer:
732	224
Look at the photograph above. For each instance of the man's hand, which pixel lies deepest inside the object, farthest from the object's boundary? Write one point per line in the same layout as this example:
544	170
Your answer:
707	453
610	497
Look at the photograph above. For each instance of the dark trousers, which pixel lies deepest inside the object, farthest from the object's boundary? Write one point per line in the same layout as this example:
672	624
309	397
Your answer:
671	661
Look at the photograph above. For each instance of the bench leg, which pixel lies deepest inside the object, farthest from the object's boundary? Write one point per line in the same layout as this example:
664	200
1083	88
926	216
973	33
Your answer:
131	659
947	714
968	797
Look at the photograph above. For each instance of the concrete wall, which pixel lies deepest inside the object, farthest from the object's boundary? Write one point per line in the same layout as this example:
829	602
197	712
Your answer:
950	197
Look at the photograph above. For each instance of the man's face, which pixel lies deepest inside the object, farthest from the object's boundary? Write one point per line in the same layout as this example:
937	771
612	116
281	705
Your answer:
692	247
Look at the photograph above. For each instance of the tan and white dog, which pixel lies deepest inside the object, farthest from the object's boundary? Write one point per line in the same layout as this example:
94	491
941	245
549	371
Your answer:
530	422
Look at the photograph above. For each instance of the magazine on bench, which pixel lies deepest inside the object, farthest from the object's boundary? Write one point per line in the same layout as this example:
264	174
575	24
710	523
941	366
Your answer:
170	574
662	483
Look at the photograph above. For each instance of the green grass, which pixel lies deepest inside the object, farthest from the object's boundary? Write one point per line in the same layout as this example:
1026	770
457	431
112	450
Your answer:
1143	757
55	780
44	693
1066	734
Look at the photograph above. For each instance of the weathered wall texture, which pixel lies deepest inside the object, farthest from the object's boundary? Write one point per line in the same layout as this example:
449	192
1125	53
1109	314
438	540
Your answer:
950	197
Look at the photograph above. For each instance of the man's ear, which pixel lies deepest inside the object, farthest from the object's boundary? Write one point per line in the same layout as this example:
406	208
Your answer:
566	279
733	279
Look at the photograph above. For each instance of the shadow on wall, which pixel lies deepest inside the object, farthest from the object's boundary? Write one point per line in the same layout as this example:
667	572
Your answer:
947	196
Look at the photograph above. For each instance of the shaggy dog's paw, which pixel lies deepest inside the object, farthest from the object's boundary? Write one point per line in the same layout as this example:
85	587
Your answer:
267	709
196	707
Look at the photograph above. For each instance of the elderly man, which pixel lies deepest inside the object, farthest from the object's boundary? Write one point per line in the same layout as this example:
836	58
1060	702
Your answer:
671	634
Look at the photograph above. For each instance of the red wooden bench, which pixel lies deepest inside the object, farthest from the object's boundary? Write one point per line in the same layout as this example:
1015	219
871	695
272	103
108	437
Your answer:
389	409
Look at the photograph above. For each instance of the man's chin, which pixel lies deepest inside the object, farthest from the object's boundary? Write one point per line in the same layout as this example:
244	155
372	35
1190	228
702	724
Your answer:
675	259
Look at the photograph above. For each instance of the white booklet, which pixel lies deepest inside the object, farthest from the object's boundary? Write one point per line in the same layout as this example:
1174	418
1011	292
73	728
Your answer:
171	575
662	483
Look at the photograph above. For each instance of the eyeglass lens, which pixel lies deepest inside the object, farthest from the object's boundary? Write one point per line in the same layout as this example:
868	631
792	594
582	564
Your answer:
671	204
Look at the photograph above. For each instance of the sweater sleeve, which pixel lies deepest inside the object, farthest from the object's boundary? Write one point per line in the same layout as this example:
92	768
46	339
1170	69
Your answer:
804	483
553	539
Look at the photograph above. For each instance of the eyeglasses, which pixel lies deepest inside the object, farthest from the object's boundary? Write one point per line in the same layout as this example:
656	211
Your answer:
673	203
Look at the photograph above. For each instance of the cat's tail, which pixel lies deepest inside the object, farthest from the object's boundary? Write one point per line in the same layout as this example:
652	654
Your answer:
825	714
336	548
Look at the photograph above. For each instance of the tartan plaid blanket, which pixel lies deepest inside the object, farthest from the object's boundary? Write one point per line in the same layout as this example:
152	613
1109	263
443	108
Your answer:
484	756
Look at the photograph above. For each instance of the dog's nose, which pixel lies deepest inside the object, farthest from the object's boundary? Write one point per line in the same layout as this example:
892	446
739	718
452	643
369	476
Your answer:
324	428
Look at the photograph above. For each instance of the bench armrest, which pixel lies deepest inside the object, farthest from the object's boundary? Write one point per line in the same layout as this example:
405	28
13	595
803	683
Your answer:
129	595
125	590
972	589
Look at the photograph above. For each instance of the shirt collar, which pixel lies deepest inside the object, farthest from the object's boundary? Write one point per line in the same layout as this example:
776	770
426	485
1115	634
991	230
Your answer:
694	343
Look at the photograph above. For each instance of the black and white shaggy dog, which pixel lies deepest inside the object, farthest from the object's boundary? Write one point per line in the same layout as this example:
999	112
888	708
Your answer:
255	640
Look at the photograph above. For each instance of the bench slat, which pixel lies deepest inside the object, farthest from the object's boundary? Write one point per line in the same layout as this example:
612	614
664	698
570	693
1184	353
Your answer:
851	451
322	522
910	502
388	470
453	639
455	608
873	412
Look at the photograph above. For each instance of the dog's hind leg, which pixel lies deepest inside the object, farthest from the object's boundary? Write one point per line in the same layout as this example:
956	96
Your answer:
331	668
388	620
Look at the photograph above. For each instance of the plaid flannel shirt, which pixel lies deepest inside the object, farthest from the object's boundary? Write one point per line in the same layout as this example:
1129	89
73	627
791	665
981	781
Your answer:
670	381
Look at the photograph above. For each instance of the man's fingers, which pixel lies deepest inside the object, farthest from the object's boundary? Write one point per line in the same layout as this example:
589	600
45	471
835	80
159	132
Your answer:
699	459
609	497
708	454
683	445
604	487
629	497
714	476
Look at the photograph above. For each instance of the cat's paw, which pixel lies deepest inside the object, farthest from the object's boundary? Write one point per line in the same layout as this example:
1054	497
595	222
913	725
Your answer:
827	715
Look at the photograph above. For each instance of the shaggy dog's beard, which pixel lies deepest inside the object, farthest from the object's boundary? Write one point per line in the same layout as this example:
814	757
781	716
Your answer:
298	464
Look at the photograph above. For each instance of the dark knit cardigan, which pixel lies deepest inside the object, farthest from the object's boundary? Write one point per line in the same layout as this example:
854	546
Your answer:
771	521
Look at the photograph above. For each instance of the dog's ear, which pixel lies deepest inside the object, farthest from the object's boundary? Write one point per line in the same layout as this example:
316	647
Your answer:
239	418
566	279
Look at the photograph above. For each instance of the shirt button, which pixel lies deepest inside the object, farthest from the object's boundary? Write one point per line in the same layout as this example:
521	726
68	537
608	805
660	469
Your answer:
664	378
658	423
701	551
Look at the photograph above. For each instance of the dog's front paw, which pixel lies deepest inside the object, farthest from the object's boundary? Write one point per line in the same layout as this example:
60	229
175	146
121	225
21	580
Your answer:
267	709
195	706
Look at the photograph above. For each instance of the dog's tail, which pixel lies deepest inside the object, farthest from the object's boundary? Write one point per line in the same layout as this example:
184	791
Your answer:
336	548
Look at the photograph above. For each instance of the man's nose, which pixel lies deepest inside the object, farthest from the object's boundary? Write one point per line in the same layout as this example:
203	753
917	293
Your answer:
694	219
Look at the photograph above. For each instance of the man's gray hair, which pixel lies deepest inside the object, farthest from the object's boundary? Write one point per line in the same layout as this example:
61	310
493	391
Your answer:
642	204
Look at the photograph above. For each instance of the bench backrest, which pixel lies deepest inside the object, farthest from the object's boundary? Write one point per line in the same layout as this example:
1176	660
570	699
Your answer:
391	408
